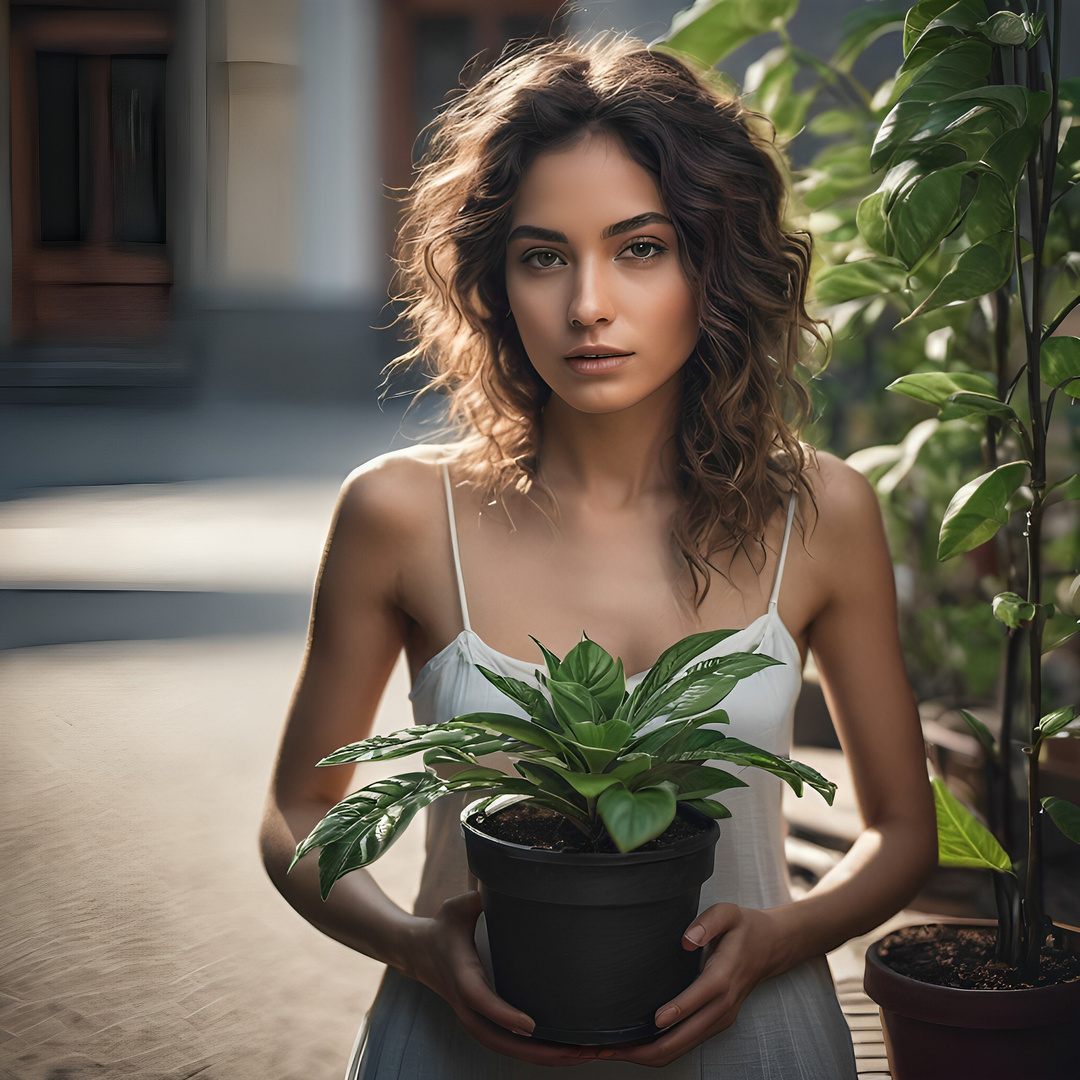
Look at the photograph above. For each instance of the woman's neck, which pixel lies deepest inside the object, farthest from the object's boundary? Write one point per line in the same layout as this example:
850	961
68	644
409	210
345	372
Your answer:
612	459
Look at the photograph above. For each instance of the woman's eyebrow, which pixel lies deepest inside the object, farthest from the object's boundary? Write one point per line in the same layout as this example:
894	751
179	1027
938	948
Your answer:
552	236
630	224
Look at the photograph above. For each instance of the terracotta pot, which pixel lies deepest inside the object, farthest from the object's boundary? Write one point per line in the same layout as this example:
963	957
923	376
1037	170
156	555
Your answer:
944	1033
590	945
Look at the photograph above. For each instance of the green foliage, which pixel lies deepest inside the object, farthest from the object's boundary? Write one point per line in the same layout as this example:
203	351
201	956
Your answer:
979	509
963	840
946	215
712	29
1065	815
609	760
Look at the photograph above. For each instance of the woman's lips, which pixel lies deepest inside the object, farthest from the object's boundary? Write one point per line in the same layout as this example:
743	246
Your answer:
597	364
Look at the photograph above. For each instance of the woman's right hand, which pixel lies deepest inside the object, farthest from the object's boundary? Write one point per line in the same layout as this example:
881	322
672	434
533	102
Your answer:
442	956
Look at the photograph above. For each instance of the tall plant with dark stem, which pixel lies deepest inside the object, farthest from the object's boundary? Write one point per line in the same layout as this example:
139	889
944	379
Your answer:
977	146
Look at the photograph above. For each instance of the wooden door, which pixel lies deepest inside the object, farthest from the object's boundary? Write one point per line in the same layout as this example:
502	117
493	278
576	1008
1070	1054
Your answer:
90	252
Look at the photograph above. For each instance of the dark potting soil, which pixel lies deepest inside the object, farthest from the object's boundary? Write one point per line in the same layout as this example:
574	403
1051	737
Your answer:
540	827
963	957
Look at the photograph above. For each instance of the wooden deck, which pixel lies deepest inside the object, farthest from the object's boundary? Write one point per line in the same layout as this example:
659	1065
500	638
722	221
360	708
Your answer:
865	1023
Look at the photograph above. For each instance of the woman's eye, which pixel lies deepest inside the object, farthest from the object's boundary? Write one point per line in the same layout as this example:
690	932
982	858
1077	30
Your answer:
542	259
644	249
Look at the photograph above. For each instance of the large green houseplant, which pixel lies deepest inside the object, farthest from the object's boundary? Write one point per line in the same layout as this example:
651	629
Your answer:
978	204
614	765
952	227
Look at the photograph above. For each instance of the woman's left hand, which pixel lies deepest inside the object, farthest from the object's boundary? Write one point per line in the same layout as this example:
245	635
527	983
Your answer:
741	951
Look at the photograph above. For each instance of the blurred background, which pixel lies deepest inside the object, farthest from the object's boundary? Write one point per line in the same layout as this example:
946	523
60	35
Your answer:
193	324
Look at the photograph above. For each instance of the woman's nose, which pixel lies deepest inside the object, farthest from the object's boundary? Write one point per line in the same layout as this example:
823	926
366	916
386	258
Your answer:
592	301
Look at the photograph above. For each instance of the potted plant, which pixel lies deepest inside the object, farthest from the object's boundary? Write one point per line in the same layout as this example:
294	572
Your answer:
591	855
970	234
978	203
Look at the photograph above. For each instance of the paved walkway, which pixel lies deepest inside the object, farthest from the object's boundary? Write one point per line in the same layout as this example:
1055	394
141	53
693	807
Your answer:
140	936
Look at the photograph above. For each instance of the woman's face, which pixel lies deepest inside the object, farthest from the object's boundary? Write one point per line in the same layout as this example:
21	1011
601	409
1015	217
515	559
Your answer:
594	280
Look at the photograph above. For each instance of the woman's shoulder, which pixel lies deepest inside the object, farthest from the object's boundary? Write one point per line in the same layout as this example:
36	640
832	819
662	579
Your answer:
398	490
845	504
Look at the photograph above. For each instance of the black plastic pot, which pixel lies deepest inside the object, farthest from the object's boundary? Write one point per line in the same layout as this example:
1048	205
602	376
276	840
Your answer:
944	1033
589	945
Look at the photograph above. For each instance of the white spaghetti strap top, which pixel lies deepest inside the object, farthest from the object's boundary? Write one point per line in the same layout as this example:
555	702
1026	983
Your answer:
457	552
783	554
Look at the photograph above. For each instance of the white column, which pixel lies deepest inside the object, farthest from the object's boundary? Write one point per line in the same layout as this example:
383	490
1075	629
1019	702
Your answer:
340	189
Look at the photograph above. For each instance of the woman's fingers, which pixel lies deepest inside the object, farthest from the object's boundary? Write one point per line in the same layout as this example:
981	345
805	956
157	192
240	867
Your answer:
706	929
467	974
710	924
535	1051
475	994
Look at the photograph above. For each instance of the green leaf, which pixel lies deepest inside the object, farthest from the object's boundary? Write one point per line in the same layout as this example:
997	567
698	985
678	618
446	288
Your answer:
770	84
1013	610
979	509
700	781
1054	722
909	449
588	784
873	222
653	741
853	280
965	404
936	387
712	746
527	731
979	270
982	733
924	213
990	211
610	735
552	780
701	689
863	26
632	765
672	660
965	15
573	704
411	740
551	661
1065	815
1058	629
962	839
709	807
912	125
595	669
530	698
712	29
1005	28
633	818
1059	363
1010	152
962	66
364	824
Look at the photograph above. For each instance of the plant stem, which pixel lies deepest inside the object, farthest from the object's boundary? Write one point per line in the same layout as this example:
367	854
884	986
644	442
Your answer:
1004	789
1040	189
1034	914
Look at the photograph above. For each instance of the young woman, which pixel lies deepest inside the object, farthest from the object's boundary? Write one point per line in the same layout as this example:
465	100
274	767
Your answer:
599	276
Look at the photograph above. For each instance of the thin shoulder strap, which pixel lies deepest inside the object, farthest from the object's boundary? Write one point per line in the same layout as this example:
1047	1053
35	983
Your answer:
783	554
454	545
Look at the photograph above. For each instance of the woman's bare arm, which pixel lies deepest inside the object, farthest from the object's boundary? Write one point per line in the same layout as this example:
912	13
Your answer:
356	635
855	643
358	630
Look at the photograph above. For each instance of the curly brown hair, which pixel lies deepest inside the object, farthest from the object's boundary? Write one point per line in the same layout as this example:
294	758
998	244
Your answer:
725	187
